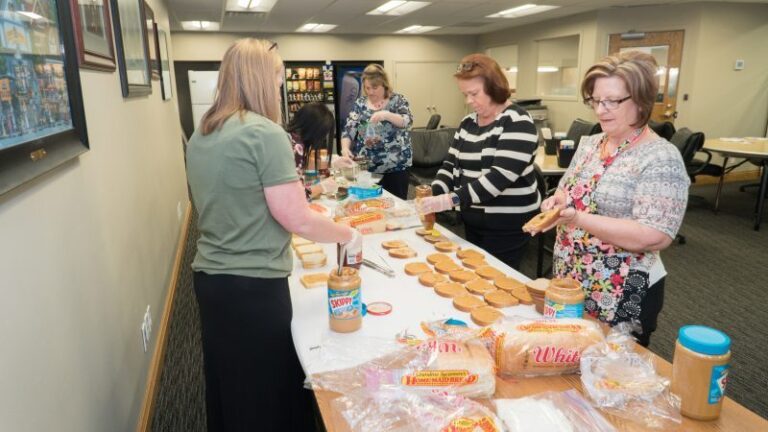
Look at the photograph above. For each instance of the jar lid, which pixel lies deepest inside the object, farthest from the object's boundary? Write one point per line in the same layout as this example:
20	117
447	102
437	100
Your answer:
704	340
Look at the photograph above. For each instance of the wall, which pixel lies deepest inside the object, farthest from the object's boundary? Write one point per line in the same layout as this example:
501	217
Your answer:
83	251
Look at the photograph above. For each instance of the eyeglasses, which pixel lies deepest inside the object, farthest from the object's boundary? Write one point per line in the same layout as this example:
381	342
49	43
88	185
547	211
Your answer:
466	67
273	46
608	104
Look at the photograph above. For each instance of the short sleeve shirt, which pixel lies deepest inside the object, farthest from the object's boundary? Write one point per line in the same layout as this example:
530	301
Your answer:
227	171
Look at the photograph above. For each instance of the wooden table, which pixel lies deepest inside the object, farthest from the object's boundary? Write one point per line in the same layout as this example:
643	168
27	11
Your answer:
310	332
748	148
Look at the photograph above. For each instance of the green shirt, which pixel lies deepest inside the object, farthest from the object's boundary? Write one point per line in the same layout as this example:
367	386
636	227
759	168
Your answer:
227	172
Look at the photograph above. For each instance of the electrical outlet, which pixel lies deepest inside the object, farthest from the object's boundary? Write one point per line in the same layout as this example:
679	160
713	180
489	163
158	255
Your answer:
178	210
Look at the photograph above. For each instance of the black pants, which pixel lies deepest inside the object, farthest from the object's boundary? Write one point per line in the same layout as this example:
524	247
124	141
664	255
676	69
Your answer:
507	246
253	378
650	308
396	183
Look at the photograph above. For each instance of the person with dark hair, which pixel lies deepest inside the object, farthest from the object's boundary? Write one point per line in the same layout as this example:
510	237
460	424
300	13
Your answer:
621	200
377	128
311	131
489	171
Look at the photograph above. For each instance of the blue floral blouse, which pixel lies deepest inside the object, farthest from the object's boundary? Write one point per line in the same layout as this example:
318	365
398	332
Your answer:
393	152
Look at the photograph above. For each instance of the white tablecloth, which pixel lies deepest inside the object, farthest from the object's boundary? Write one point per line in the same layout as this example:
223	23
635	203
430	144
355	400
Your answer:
411	303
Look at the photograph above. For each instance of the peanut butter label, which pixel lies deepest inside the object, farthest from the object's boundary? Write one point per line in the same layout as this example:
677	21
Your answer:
467	424
717	384
344	304
559	310
438	378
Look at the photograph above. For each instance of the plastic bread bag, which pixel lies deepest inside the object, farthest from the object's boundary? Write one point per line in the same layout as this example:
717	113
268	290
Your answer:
448	328
625	384
389	410
566	411
535	347
356	207
463	367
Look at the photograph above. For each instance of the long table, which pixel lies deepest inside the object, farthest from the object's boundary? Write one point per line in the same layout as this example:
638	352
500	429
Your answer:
413	303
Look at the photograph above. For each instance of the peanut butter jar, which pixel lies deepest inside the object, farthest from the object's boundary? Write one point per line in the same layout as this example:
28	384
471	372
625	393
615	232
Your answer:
428	219
564	299
700	370
345	306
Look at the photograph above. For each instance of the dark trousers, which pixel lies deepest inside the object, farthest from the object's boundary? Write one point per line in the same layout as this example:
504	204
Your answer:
507	246
253	378
396	183
650	308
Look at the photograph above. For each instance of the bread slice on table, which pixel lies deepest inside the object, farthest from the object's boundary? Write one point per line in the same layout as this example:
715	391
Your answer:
308	249
417	268
314	260
430	279
312	280
402	253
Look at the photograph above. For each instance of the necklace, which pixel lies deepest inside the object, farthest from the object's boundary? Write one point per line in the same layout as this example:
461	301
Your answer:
629	142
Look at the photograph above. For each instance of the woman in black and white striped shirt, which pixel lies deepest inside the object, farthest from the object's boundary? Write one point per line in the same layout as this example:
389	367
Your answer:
489	169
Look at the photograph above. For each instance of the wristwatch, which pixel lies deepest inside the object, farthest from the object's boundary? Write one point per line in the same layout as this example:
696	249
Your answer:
455	199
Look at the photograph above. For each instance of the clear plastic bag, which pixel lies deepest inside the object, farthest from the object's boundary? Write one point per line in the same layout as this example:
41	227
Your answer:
463	367
373	135
390	409
535	347
625	384
564	411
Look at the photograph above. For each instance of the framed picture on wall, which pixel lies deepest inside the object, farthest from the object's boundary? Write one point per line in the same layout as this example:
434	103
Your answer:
152	41
93	34
42	122
132	48
165	65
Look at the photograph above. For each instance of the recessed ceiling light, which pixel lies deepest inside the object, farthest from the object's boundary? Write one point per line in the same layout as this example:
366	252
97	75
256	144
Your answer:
547	69
521	11
200	25
415	29
253	6
398	7
316	28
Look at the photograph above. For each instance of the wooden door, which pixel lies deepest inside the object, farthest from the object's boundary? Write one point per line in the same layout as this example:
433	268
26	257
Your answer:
667	48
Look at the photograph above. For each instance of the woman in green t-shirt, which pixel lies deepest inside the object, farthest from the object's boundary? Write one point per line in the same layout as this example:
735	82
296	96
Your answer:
249	200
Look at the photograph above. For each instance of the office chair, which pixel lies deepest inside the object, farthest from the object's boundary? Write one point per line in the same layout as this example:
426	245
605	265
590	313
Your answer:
689	143
663	129
578	129
433	122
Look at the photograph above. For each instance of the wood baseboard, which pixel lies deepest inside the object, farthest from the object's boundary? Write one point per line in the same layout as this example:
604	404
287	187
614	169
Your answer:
155	366
730	177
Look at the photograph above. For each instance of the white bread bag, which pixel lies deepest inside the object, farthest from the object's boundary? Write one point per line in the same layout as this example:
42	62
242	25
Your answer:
531	347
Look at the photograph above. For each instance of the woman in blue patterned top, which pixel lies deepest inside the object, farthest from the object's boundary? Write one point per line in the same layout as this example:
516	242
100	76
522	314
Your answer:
377	128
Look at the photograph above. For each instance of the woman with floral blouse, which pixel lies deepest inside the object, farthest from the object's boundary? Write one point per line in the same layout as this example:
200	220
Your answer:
623	198
377	129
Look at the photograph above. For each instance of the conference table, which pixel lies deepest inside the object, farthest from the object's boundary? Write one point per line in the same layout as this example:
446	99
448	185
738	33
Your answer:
320	349
753	148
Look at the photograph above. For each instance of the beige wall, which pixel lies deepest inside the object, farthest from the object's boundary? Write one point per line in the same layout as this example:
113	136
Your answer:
84	250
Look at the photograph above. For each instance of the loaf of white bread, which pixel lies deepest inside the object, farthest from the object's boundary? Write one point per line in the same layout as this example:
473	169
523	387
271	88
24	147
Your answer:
540	346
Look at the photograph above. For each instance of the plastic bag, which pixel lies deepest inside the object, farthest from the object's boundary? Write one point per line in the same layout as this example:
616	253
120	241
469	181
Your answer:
373	135
534	347
564	411
463	367
625	384
395	410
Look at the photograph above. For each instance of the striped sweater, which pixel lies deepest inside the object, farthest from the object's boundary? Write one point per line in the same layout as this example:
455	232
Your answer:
491	169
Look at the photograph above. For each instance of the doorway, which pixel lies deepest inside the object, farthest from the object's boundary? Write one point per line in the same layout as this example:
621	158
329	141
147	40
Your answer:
667	48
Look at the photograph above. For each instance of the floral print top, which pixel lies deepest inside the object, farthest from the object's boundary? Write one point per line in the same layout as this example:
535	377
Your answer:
392	152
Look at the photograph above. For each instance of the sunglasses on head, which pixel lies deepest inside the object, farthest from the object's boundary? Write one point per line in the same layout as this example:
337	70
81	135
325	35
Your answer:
466	67
272	46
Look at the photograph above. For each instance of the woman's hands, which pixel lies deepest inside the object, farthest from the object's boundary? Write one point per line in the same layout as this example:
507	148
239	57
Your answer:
568	215
380	116
434	204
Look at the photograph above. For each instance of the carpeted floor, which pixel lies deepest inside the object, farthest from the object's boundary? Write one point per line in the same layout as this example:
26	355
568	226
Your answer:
718	278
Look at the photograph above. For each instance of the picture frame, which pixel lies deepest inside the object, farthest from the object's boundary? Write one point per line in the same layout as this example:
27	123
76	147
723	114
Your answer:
165	64
152	41
42	120
129	22
93	34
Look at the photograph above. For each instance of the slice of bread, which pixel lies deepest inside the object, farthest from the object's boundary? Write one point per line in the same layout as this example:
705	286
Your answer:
308	249
297	241
416	268
313	260
405	252
312	280
393	244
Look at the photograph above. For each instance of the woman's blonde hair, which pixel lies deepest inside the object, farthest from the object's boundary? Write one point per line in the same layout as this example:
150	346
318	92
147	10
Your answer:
247	82
375	75
638	71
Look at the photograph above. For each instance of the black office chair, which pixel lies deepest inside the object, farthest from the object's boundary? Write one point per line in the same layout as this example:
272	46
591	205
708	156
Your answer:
665	129
578	129
433	122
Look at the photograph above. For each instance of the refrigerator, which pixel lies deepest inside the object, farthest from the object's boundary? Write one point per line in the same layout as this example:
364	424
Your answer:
202	89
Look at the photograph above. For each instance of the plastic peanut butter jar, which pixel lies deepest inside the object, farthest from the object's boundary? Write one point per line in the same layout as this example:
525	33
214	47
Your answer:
564	299
428	219
700	371
345	306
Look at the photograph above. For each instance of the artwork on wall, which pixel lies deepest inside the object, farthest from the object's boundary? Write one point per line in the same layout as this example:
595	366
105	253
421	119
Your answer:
42	122
132	48
165	65
93	34
149	17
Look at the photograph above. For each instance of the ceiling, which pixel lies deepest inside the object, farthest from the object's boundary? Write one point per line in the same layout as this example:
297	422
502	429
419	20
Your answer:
455	17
